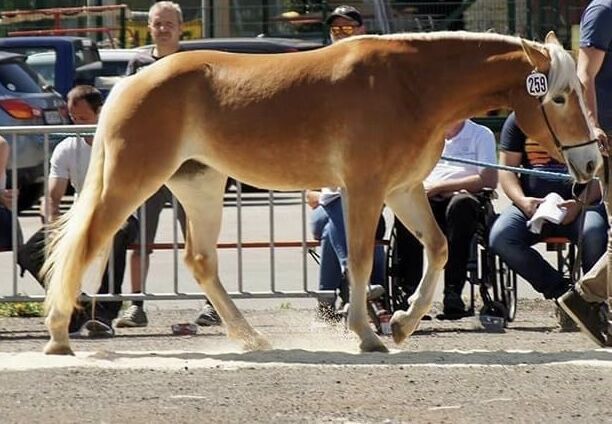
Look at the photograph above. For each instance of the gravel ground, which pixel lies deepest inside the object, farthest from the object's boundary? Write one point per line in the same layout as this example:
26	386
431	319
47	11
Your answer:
448	372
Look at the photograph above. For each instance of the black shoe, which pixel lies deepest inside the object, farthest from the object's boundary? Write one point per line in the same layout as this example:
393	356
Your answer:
77	321
591	317
99	328
453	314
566	323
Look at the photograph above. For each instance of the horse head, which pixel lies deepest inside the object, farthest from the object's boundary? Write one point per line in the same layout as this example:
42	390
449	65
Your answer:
551	108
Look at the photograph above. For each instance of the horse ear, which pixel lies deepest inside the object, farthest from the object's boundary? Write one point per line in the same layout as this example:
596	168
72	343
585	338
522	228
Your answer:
537	57
551	38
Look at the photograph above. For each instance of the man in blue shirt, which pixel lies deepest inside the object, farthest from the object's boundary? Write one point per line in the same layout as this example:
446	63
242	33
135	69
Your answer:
587	302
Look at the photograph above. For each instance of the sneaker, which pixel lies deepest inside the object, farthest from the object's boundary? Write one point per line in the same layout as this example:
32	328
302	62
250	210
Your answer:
591	317
98	329
566	323
208	317
134	316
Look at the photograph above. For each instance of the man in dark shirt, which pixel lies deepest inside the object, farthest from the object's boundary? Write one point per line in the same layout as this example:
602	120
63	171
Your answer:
587	303
510	236
165	26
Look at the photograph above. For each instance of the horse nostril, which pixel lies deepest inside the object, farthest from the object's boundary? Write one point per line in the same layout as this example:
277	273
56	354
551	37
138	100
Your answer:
590	167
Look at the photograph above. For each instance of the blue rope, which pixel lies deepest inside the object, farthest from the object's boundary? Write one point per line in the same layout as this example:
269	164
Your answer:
547	174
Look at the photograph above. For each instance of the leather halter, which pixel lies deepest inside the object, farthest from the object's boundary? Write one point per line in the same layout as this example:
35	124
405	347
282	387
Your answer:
561	147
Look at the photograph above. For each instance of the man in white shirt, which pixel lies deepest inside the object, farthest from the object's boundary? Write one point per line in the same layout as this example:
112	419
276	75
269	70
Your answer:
450	188
69	164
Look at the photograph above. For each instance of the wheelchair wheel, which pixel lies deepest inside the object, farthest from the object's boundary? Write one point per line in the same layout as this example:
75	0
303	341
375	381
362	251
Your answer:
397	298
507	289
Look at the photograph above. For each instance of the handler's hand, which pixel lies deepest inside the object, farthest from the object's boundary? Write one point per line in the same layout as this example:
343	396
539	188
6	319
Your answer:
602	141
312	198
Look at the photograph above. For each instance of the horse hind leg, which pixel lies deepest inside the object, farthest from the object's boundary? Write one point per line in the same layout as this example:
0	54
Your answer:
200	190
85	232
413	210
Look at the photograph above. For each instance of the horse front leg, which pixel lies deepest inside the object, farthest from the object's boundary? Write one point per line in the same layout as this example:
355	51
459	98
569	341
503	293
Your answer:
361	216
412	208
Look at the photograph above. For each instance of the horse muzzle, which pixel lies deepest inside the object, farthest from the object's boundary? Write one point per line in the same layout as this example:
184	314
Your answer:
583	160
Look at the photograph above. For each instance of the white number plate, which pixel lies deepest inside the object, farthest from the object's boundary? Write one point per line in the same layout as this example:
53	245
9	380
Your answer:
52	117
537	84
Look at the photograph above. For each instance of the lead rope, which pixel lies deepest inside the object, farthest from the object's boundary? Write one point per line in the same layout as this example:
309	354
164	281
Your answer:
580	199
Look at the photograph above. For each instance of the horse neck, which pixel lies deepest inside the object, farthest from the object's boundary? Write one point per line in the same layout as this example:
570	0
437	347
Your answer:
476	75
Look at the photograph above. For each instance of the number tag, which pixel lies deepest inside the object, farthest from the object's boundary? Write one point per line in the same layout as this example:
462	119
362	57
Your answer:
537	84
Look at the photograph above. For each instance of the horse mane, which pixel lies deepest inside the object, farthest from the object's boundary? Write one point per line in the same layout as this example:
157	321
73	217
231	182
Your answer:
562	66
562	72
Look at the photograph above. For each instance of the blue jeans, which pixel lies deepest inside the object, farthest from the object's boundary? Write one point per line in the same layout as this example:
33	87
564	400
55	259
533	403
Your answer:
511	240
328	226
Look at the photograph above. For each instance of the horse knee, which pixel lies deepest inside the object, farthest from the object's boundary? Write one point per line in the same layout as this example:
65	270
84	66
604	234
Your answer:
438	253
200	264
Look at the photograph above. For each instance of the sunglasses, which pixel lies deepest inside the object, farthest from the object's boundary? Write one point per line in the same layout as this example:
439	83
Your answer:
343	30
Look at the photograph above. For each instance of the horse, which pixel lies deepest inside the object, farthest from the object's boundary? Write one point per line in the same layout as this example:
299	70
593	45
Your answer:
366	114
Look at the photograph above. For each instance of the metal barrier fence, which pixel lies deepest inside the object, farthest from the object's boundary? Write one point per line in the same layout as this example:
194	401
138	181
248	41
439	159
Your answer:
273	202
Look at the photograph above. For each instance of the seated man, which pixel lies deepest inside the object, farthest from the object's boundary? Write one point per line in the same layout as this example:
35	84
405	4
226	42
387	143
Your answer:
510	237
328	226
450	188
69	164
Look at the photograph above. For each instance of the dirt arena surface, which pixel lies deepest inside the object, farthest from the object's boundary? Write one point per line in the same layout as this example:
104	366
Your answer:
448	372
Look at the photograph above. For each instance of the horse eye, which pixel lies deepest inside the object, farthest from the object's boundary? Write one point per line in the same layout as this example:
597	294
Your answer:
559	100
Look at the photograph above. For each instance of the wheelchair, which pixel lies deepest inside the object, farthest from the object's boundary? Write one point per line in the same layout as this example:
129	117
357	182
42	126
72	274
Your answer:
497	284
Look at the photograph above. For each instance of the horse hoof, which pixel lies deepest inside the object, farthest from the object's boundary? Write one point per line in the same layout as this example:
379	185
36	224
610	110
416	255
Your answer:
375	348
257	344
53	348
398	333
373	345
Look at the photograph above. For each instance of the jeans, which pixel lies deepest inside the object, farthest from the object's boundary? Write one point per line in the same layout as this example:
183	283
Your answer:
512	241
328	226
457	217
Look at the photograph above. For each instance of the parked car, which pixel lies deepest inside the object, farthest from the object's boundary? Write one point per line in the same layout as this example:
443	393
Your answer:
63	61
114	64
26	99
256	45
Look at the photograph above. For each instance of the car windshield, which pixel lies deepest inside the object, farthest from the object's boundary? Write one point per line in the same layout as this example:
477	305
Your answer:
113	68
16	77
43	62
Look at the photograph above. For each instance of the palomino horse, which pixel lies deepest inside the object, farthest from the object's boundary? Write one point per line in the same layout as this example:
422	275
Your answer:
366	114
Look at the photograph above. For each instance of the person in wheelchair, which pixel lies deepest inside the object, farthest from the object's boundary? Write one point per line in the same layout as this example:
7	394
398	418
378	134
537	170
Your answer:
452	189
328	226
510	237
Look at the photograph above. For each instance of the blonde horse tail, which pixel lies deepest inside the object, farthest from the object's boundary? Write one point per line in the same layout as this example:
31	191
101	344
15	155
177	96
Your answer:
69	249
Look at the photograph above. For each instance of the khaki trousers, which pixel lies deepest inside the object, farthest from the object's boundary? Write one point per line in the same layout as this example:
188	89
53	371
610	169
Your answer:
595	286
